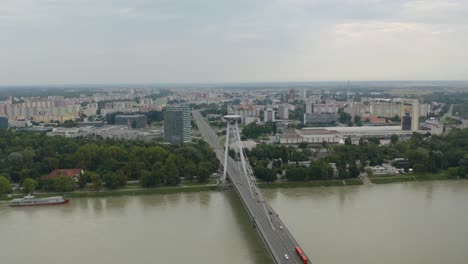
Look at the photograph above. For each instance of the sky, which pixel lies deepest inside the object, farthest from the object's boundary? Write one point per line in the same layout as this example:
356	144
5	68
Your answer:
210	41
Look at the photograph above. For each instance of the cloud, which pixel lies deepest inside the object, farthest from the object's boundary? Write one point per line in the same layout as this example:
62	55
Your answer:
366	30
219	40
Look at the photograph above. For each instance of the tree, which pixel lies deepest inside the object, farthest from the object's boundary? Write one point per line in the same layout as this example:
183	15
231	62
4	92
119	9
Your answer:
394	138
96	181
373	140
314	172
188	170
296	173
29	185
353	170
369	172
452	172
264	173
5	186
172	173
348	141
357	119
53	163
64	184
344	117
203	172
83	180
111	181
147	179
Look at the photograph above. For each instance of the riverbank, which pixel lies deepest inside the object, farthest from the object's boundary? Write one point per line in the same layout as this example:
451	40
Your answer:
123	192
412	177
317	183
130	190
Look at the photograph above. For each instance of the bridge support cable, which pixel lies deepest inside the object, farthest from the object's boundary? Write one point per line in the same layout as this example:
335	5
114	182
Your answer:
250	176
226	152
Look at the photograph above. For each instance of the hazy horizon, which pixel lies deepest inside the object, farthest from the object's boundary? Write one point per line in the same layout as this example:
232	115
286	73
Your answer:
66	42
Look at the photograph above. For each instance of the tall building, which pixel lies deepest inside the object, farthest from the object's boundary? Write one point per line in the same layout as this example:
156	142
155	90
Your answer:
292	95
269	115
177	126
3	122
309	106
415	115
411	114
406	122
283	112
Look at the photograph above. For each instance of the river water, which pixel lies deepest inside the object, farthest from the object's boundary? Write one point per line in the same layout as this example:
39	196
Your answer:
395	223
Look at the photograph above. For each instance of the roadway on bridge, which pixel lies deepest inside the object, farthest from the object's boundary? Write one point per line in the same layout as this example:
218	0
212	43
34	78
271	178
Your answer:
279	241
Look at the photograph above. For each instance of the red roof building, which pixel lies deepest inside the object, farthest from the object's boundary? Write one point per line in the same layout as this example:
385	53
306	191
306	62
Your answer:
74	173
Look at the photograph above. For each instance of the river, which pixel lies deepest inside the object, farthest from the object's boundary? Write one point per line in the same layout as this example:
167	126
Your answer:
395	223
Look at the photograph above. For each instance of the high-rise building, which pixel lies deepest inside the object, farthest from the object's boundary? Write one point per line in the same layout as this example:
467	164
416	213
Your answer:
309	106
177	126
292	95
269	115
3	122
283	112
406	122
411	115
415	115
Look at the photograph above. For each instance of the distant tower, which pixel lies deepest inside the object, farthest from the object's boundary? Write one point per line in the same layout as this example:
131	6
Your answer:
292	95
347	97
415	115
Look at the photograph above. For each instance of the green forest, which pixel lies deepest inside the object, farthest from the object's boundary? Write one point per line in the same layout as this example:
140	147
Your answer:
26	156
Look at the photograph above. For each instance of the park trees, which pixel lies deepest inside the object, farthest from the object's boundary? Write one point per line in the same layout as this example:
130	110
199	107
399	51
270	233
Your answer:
64	184
171	170
29	185
96	181
5	186
111	180
264	173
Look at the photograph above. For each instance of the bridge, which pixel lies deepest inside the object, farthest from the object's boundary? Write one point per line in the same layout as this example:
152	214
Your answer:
274	233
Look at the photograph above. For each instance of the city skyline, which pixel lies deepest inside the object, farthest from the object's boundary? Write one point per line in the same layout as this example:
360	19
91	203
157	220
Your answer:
64	42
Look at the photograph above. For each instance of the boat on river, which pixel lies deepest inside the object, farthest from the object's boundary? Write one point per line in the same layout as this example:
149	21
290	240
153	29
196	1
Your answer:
30	200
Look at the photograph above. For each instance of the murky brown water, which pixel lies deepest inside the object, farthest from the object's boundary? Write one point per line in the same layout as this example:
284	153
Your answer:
396	223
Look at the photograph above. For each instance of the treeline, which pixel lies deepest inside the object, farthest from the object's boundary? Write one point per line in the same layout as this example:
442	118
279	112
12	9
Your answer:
422	152
254	131
26	155
212	109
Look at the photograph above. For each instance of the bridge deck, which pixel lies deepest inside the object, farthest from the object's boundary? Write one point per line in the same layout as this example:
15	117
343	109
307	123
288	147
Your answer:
279	241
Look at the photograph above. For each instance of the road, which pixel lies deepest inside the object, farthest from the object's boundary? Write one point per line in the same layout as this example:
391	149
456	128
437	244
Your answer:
277	238
449	113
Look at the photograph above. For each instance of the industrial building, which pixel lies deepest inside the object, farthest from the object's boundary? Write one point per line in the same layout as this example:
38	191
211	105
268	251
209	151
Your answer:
177	126
320	119
338	134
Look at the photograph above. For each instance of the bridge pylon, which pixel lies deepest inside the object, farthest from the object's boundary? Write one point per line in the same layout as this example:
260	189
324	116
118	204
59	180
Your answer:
233	127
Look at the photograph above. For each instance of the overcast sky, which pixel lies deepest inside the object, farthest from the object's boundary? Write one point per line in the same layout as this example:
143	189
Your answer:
150	41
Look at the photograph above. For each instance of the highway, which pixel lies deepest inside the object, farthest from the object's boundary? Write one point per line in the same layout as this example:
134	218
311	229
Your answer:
277	238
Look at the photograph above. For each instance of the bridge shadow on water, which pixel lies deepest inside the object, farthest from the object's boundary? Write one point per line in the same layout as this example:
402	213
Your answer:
248	230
